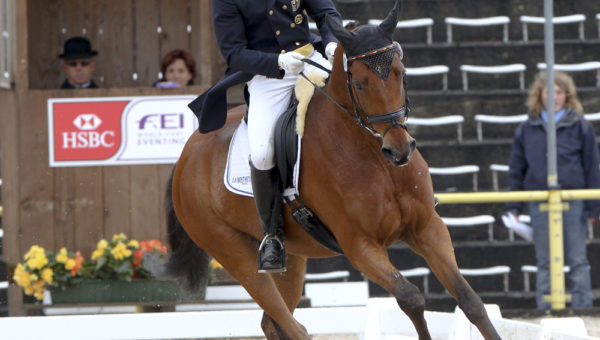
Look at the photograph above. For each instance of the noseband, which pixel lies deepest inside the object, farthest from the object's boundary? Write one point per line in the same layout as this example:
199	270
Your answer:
366	123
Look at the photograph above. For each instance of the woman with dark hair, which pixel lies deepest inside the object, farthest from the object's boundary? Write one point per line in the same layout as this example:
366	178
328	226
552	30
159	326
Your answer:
178	69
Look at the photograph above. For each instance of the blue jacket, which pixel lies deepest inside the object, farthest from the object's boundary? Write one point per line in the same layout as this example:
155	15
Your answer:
576	153
251	35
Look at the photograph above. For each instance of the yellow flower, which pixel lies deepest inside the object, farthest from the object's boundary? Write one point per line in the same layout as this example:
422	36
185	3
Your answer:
119	237
133	244
102	244
28	290
215	264
120	251
97	254
62	256
37	262
21	276
48	275
34	251
39	294
70	264
33	277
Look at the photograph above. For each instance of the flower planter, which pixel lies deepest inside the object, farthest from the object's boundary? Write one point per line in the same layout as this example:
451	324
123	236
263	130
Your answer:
140	290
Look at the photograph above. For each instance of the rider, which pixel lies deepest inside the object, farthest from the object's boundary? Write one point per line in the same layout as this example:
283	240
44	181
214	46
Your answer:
264	42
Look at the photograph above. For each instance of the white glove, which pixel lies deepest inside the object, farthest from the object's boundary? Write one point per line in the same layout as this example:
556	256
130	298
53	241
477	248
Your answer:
330	51
291	62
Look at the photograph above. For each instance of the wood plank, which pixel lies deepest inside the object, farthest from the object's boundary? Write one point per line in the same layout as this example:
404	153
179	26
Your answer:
64	207
174	19
116	200
88	208
146	51
116	43
164	173
144	202
44	64
36	182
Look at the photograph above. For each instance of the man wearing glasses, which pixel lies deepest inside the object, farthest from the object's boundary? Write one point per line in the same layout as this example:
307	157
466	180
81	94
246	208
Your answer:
78	64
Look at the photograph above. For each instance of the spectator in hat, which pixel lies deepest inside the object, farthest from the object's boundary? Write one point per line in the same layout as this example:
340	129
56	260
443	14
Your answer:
78	64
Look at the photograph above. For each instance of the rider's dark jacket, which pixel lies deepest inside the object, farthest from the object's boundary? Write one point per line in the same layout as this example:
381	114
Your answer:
576	152
251	35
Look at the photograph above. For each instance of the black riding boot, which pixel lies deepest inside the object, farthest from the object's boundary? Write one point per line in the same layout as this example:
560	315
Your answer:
268	199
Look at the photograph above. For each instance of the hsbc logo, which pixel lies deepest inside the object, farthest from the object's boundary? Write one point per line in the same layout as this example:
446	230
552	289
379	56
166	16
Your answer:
87	121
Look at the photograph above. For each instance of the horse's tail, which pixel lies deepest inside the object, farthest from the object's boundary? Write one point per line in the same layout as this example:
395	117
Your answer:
187	261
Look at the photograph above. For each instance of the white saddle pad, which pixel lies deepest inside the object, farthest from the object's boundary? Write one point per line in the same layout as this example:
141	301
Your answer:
237	170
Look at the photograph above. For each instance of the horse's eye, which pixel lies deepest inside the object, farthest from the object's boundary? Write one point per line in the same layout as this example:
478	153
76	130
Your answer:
359	86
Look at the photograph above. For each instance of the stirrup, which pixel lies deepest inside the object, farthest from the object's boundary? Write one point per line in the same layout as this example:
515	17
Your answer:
264	265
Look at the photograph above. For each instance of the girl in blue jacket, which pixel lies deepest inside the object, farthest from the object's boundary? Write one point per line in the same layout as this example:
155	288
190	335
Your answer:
577	166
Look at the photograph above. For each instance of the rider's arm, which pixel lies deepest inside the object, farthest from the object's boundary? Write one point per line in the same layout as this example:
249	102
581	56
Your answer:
231	37
318	10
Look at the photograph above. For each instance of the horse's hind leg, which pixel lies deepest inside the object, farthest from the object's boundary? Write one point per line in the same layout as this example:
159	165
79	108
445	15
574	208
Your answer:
290	285
373	261
434	244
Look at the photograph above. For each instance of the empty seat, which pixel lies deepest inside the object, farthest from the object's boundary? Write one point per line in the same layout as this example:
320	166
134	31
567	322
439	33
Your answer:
499	69
567	19
313	25
457	170
578	67
479	22
412	23
489	271
472	221
491	119
529	269
430	70
592	117
339	275
437	121
496	168
598	20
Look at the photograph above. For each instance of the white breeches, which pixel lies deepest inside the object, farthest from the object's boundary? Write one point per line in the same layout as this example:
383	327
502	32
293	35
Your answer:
269	97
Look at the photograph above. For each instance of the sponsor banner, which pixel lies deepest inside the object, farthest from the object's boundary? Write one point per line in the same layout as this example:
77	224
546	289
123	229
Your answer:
118	130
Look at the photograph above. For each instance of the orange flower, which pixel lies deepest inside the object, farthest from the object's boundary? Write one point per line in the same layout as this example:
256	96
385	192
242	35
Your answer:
78	263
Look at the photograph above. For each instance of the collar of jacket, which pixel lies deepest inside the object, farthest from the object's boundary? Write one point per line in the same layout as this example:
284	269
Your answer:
570	117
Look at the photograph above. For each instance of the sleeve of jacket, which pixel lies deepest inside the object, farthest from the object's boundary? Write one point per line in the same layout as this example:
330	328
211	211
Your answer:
591	163
516	169
318	10
230	32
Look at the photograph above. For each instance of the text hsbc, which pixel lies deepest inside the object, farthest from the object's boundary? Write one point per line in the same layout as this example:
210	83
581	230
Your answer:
88	139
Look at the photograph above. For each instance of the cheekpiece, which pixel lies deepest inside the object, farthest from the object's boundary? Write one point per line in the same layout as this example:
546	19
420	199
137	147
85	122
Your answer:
379	60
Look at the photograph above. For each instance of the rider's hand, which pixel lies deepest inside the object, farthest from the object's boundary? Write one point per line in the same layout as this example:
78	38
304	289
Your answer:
330	51
291	62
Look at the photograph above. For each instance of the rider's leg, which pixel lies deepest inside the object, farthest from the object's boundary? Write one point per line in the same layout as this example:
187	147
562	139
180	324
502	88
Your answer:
268	99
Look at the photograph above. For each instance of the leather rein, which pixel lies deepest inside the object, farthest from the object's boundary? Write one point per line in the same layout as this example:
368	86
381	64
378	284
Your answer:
392	117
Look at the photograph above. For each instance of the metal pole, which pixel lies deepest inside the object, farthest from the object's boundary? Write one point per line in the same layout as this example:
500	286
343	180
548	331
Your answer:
557	296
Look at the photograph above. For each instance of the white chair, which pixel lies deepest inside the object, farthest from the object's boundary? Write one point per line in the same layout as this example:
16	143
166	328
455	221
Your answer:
412	23
457	170
598	20
313	25
579	67
496	168
430	70
339	275
490	119
480	22
567	19
499	69
529	269
472	221
592	117
489	271
437	121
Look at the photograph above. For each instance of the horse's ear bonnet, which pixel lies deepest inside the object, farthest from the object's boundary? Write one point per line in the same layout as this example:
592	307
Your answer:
373	45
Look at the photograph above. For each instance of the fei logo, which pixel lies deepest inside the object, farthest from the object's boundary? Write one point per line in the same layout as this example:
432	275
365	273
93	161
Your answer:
84	131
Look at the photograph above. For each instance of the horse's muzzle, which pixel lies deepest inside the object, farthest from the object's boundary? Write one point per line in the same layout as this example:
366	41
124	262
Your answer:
399	158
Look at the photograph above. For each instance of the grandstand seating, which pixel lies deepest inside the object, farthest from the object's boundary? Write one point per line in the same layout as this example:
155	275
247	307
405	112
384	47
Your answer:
490	119
457	170
598	20
498	69
579	67
412	23
567	19
472	221
489	271
438	121
430	70
529	269
477	22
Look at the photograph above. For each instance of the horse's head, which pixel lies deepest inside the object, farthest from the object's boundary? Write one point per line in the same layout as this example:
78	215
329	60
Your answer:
376	84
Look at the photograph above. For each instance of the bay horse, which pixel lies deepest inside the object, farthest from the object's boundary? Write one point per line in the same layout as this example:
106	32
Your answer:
360	173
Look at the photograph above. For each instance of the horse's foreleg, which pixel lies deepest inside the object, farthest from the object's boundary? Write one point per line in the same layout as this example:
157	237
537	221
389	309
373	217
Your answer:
373	261
290	285
434	244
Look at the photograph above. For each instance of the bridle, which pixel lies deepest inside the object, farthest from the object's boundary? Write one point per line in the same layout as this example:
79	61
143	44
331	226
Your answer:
393	117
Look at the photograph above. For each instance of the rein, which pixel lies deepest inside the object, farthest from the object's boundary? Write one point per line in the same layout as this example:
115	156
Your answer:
390	117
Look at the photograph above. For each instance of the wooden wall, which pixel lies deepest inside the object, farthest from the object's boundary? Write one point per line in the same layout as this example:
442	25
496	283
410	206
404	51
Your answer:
131	37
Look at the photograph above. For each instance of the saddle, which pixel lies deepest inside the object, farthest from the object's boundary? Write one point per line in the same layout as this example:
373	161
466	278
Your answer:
286	156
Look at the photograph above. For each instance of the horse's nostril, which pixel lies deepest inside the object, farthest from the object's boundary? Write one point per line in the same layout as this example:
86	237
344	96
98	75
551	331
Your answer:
387	152
413	144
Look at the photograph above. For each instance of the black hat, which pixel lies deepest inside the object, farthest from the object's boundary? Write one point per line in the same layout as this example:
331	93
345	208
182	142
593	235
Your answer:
77	47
